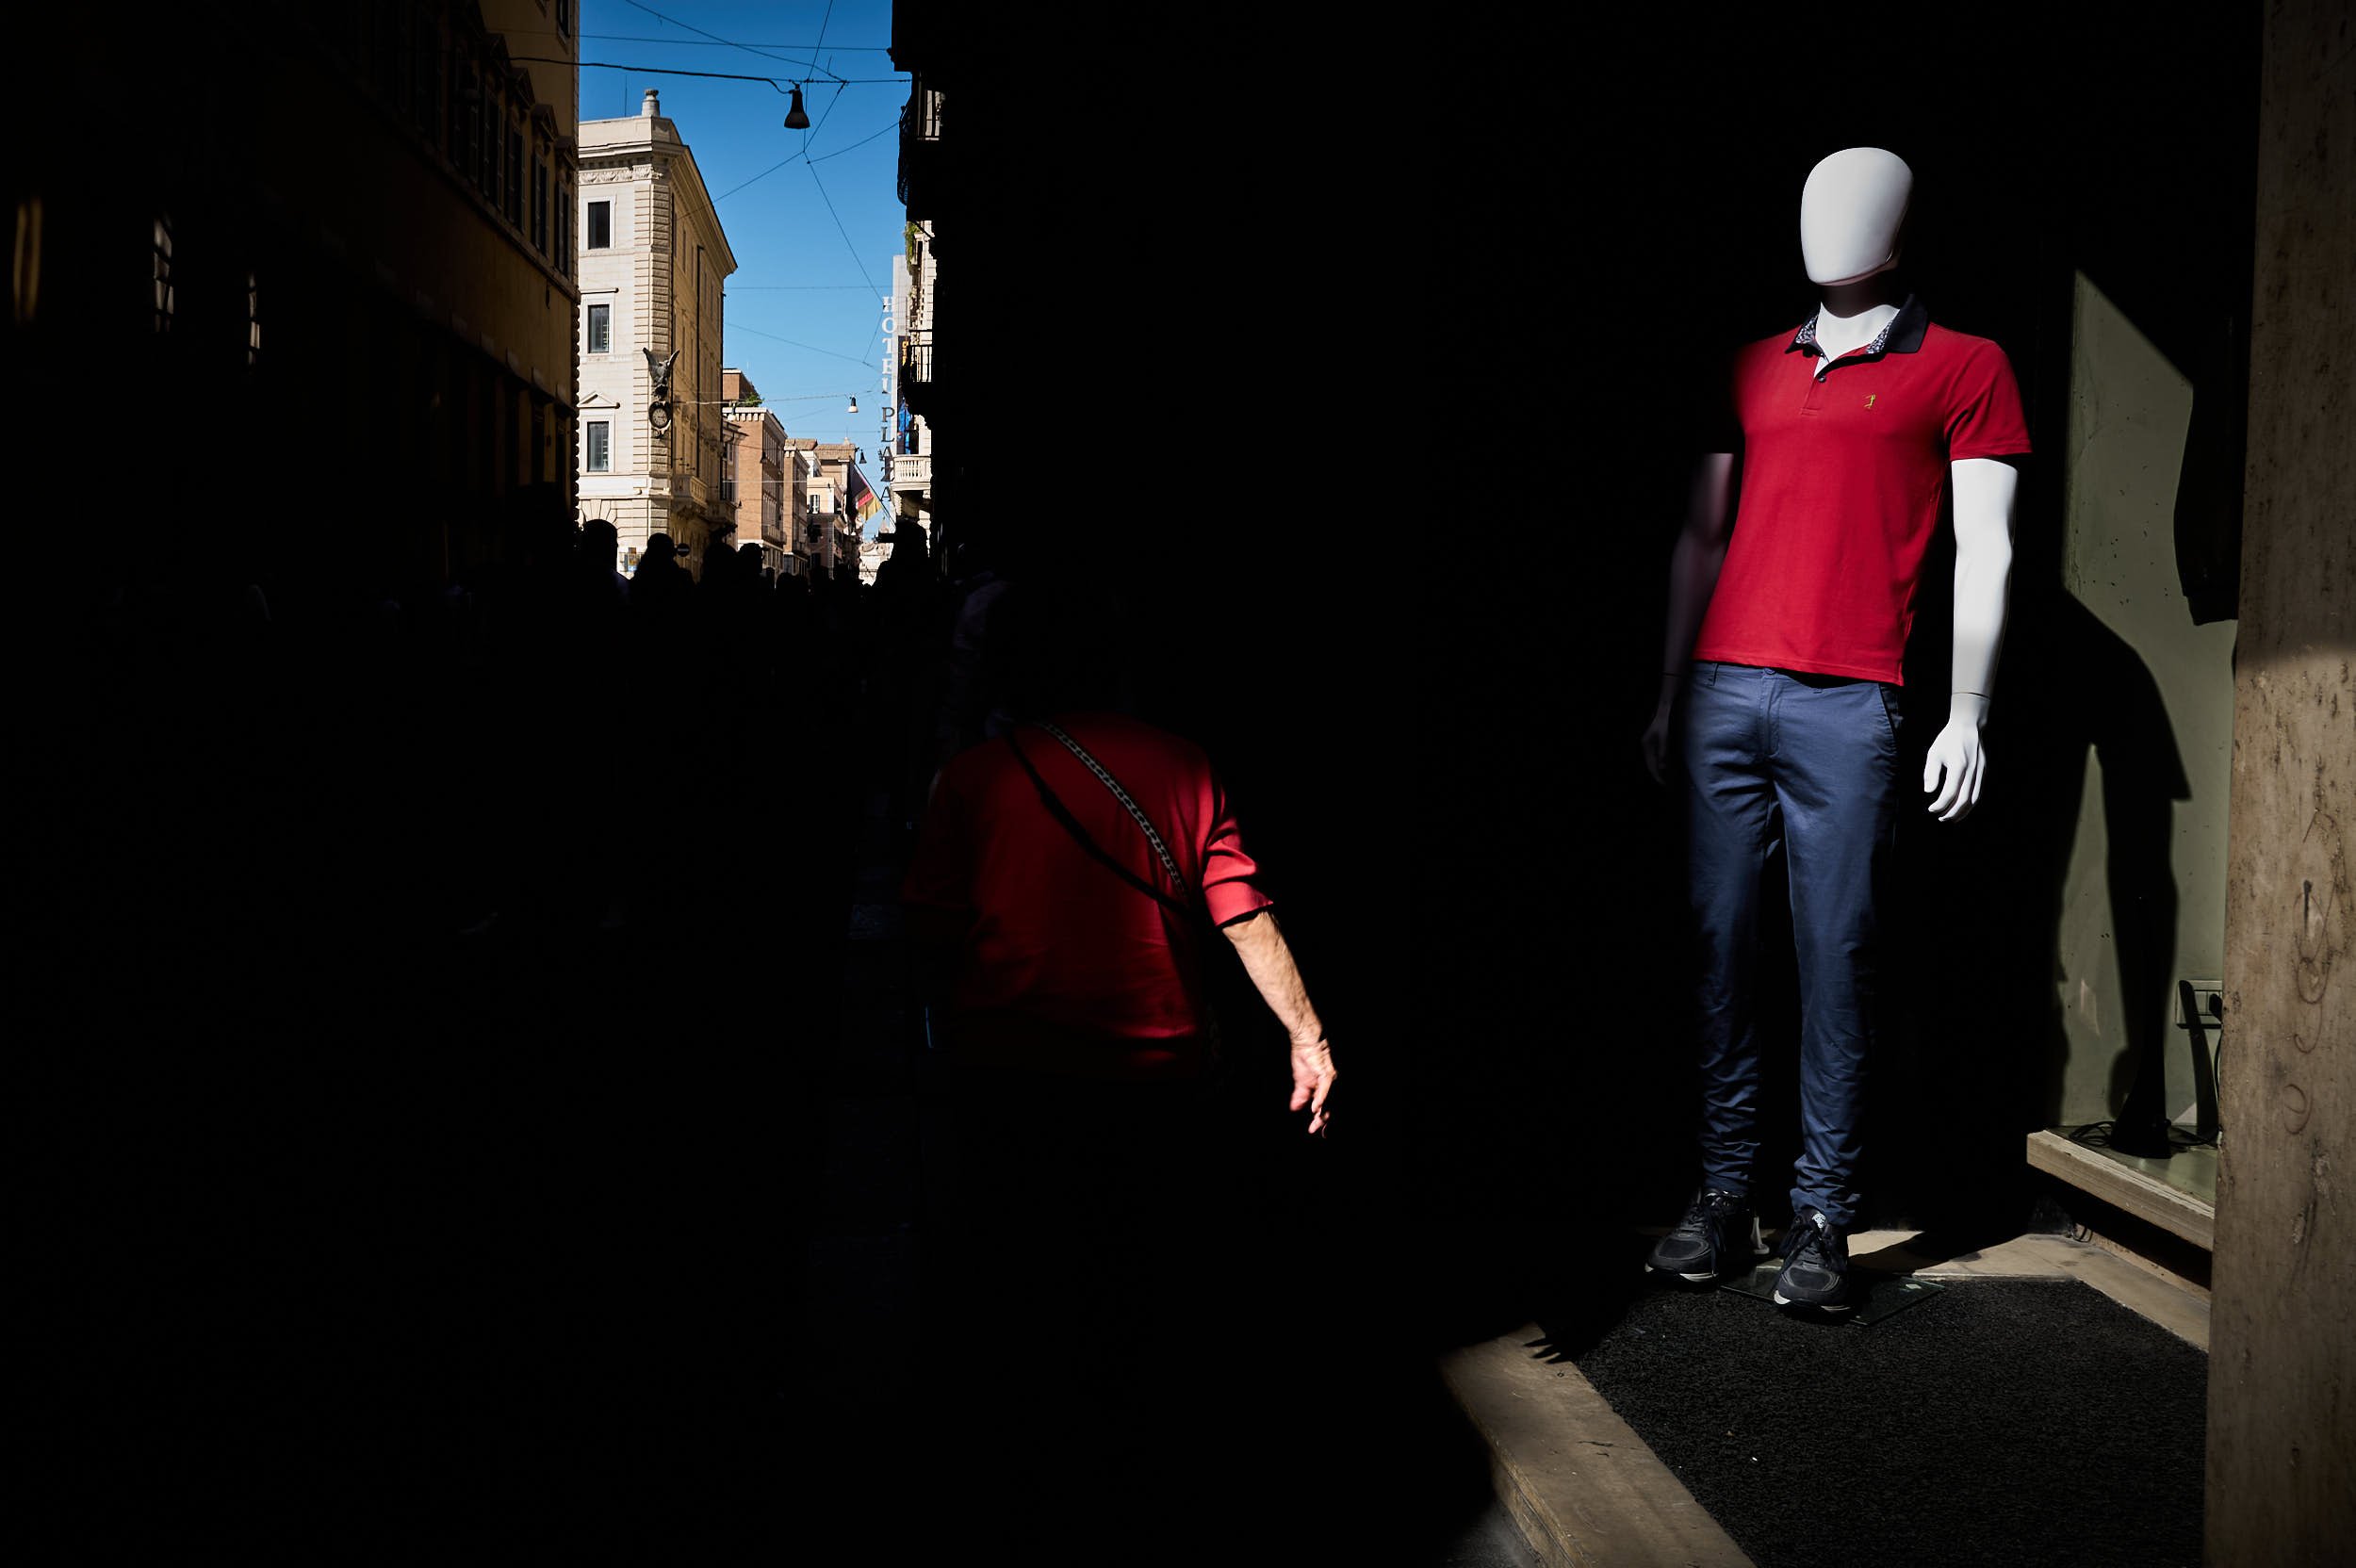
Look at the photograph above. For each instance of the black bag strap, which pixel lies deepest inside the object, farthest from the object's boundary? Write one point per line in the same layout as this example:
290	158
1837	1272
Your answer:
1192	910
1104	778
1071	824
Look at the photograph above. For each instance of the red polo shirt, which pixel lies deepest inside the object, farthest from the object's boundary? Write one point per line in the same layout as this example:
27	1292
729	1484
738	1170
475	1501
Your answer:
1842	476
1064	965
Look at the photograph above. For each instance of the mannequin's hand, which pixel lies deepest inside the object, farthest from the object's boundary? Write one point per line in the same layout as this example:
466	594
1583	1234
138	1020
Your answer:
1952	771
1655	744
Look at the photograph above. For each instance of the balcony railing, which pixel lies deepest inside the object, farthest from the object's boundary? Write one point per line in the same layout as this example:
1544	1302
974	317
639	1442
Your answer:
910	471
920	147
916	358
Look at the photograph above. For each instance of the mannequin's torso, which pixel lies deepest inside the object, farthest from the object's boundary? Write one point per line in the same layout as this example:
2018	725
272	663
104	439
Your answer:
1852	214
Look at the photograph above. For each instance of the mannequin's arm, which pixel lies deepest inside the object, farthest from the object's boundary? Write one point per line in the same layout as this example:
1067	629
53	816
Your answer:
1701	549
1984	489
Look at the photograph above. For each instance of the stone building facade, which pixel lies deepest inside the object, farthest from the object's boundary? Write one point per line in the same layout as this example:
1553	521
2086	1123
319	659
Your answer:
908	448
653	263
368	203
753	482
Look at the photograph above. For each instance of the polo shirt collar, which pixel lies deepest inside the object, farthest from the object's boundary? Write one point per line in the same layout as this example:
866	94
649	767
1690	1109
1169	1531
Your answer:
1901	335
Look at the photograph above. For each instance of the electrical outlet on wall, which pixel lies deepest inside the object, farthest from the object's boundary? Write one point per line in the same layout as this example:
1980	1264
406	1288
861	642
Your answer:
2207	995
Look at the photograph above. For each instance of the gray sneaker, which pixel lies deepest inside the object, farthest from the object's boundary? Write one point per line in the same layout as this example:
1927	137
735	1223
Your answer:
1718	1235
1815	1265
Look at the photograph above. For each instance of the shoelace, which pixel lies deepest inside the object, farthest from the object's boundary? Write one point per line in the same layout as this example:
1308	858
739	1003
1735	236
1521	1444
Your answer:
1706	1207
1810	1245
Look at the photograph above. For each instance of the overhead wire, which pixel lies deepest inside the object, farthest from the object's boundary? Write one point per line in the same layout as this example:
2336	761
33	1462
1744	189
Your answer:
803	157
729	42
810	131
813	66
823	22
839	228
860	143
811	347
797	158
779	84
726	44
822	120
788	397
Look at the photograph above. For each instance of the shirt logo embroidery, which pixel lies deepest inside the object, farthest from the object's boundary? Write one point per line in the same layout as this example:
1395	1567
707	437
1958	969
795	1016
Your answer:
1869	397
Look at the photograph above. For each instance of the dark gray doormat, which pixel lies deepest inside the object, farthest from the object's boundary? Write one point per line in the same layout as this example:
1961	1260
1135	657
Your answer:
1871	1296
2009	1421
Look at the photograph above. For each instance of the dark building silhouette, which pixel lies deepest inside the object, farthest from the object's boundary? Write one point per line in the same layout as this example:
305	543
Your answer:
335	243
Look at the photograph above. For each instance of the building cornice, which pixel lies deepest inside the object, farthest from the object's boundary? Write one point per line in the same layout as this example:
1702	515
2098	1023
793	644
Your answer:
601	161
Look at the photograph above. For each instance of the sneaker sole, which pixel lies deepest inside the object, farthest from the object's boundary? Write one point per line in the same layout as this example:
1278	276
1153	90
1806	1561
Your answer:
1761	1252
1783	1301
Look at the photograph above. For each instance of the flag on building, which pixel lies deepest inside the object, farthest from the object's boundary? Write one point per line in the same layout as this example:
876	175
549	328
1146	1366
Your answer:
864	503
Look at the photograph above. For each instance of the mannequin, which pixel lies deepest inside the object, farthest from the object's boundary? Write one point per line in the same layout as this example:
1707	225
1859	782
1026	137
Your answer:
1791	591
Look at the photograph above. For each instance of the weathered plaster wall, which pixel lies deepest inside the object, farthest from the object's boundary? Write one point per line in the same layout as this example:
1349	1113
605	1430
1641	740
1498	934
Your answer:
2129	412
2281	1428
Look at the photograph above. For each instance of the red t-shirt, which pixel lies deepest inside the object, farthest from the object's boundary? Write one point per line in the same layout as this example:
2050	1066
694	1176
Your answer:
1842	477
1063	965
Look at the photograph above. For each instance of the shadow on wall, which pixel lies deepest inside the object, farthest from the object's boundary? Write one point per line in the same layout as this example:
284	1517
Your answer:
1981	1055
2109	709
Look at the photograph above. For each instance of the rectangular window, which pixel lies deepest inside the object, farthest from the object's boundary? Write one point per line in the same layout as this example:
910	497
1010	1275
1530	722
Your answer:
164	297
391	52
493	149
403	28
468	149
565	229
514	172
457	143
427	109
597	444
601	225
601	329
540	205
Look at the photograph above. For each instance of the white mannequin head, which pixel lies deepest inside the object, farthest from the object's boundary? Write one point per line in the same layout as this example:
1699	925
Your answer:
1850	212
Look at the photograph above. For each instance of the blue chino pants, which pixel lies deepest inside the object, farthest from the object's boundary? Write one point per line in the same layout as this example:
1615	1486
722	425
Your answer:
1809	763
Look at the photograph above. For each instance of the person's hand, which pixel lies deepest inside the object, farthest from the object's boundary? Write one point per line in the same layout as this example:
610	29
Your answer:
1313	1082
1655	744
1952	771
1656	741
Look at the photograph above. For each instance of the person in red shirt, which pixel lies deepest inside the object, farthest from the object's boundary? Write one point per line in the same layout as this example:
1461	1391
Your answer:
1059	937
1090	1232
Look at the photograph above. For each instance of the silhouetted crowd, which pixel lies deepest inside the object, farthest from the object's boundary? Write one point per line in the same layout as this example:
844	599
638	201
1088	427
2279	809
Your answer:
536	751
447	978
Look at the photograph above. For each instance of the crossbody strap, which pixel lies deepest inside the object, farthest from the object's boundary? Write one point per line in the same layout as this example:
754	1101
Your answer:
1193	910
1071	824
1104	778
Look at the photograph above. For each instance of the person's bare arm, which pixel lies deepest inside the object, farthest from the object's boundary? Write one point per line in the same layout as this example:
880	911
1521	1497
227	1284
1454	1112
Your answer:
1701	549
1269	962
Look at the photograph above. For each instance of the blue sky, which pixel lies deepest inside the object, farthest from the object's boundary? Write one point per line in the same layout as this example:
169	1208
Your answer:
801	317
